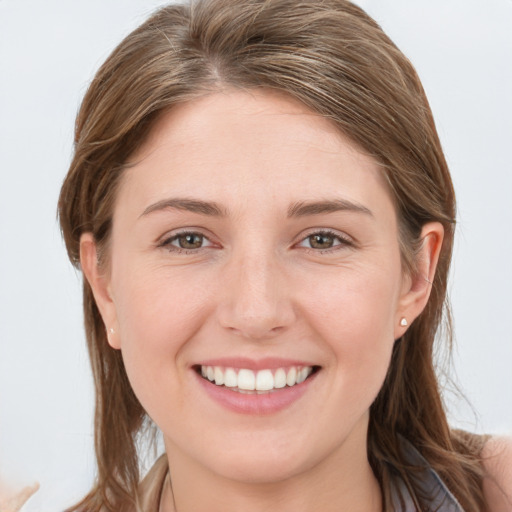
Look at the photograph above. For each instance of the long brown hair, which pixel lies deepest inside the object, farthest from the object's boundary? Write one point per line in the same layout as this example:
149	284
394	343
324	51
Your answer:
334	58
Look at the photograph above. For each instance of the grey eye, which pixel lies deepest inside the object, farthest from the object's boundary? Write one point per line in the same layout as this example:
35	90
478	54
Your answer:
325	240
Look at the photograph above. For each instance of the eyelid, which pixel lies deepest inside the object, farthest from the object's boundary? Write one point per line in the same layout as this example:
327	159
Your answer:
344	239
165	241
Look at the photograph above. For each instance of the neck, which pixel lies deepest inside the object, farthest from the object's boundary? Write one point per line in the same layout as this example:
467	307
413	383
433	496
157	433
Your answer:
342	482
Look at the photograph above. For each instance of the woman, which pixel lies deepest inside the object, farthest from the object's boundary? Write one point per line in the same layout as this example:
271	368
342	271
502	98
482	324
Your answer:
264	218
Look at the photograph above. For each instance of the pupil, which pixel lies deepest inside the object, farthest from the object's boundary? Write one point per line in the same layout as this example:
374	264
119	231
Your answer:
321	241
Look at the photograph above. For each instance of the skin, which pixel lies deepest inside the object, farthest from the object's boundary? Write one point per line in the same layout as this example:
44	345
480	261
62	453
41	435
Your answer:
12	500
498	484
258	288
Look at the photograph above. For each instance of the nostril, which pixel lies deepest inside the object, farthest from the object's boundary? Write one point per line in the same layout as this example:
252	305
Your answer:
256	332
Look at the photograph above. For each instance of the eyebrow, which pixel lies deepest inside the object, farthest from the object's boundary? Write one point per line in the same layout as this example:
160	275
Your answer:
304	208
190	205
298	209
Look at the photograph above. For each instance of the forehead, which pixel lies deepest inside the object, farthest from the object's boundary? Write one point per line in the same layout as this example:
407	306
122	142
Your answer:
235	144
254	111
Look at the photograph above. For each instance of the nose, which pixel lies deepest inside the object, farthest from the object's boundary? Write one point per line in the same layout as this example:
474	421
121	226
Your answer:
255	300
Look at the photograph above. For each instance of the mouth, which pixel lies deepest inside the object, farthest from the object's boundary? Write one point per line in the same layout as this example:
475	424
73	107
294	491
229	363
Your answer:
263	381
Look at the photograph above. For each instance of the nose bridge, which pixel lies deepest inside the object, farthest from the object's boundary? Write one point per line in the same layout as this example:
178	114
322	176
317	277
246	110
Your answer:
256	302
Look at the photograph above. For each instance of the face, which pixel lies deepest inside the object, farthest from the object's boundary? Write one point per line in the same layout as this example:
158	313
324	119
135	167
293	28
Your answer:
253	247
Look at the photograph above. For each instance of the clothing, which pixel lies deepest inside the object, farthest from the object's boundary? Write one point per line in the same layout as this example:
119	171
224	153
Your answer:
429	484
442	500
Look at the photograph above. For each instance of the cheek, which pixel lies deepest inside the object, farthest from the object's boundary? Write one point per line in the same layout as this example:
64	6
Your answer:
157	305
158	313
359	305
354	317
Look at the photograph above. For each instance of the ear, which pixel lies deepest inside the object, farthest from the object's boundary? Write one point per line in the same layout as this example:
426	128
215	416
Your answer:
416	288
100	284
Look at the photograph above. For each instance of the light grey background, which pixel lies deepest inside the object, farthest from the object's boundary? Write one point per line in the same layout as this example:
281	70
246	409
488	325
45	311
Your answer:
48	53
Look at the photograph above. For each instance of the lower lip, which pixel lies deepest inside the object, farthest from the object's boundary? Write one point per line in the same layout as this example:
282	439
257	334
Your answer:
254	403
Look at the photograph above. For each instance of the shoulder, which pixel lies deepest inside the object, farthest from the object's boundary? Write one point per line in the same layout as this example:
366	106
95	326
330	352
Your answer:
13	500
497	461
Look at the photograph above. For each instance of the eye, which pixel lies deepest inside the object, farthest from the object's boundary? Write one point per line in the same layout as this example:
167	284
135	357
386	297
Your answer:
324	240
186	241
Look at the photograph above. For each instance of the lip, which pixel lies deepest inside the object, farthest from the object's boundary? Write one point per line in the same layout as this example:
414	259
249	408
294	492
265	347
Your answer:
267	363
253	403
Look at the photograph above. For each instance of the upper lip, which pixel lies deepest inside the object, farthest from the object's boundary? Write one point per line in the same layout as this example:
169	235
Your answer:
267	363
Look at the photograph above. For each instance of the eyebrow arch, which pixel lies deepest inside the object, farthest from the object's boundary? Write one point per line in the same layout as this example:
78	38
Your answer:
298	209
303	208
190	205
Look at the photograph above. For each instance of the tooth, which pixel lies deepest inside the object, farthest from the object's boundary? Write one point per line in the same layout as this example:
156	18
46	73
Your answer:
280	379
246	379
219	376
230	378
291	376
301	375
264	380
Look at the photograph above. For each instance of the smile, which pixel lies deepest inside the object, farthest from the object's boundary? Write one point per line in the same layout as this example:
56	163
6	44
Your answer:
256	387
244	380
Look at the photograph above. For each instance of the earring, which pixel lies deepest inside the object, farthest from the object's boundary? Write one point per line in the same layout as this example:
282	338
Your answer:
111	330
403	322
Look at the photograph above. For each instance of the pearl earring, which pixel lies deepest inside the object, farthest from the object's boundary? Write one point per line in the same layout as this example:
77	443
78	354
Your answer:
403	322
111	330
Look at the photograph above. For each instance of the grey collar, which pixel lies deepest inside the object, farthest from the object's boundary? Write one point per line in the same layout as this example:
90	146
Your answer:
438	496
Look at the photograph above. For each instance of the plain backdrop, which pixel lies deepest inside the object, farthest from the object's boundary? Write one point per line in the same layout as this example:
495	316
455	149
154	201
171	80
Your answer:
49	52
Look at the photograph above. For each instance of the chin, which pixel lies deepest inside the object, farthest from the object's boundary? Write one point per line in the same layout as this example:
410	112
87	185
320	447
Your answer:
266	459
260	469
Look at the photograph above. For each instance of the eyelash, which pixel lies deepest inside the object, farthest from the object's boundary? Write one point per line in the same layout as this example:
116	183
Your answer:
167	243
344	241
